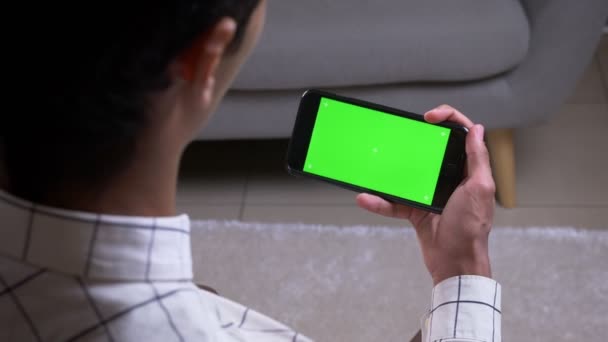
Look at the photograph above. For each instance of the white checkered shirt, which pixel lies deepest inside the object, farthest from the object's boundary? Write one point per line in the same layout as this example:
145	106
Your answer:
74	276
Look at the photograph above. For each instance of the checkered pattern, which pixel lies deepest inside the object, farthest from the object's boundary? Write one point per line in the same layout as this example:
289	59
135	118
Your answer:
73	276
464	308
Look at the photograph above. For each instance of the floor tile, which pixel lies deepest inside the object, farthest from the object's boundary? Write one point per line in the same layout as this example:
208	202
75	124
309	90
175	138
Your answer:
590	88
317	214
589	218
564	162
209	212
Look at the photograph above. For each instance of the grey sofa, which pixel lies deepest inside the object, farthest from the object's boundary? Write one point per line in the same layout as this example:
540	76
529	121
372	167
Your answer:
505	63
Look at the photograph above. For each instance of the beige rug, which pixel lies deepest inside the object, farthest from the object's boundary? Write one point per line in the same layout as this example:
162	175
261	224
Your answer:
369	284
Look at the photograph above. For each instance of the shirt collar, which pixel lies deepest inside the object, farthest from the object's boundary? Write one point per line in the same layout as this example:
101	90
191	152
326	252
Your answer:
105	247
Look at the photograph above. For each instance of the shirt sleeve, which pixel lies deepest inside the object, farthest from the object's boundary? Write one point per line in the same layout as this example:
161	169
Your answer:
464	308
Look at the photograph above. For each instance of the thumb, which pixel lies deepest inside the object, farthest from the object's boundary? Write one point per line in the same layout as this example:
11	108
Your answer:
478	160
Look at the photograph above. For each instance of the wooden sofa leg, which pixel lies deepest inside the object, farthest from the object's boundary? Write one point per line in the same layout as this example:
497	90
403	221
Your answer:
502	155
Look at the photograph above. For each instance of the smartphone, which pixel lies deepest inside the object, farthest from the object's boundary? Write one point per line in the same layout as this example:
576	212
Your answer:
371	148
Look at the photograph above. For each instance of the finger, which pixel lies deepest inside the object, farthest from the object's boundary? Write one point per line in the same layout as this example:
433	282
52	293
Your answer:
383	207
478	159
447	113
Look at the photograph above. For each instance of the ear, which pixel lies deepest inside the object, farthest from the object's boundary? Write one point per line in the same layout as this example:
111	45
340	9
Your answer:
199	63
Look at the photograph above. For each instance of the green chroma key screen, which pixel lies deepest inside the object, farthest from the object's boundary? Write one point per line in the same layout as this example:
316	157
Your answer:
376	150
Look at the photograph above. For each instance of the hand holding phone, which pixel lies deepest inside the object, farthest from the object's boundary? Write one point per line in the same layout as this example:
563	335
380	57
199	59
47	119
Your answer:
455	242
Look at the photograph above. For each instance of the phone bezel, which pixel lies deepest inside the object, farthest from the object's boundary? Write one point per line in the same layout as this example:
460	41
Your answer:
452	168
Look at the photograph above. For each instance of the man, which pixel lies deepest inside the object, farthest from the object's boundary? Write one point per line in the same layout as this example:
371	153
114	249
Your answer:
90	247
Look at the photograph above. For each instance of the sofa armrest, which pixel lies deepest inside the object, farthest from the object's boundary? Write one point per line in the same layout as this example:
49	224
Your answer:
563	38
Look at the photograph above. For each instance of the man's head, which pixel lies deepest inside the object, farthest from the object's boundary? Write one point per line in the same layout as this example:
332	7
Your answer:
103	78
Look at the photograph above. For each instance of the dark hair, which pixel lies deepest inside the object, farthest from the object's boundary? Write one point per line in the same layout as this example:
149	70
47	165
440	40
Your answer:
90	69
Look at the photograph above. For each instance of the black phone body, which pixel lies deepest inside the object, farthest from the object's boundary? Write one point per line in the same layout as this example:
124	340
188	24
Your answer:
371	148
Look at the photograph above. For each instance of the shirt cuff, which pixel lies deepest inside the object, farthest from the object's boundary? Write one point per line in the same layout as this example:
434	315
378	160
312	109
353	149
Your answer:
466	308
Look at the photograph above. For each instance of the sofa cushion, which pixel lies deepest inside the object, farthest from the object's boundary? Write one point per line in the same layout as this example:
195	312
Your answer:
323	43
